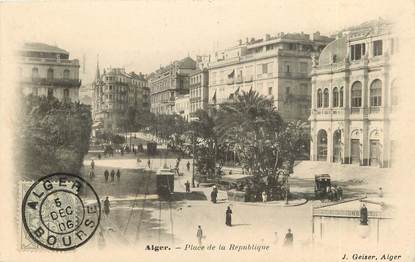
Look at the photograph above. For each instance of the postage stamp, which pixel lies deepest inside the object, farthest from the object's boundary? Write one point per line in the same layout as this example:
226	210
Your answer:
61	211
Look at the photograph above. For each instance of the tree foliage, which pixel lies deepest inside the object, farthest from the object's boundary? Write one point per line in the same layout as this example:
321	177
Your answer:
52	136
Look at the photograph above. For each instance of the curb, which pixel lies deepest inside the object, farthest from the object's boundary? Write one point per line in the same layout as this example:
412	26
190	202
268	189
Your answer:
279	204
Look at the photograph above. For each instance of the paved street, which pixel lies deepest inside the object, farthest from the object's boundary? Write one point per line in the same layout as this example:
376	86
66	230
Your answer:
134	220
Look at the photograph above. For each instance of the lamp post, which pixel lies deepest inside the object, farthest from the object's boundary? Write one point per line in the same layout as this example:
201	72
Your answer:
194	151
193	160
287	188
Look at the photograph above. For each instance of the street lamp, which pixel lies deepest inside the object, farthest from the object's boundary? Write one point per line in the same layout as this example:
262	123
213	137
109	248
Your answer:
194	150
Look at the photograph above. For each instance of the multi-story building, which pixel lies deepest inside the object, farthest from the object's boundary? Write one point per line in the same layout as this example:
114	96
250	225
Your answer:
182	106
276	67
116	94
168	82
46	70
199	90
354	97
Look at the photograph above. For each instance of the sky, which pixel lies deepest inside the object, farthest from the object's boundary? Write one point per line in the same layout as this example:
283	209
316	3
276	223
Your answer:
142	35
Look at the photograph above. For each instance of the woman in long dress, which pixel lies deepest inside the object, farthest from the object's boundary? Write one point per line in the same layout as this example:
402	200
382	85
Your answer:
229	217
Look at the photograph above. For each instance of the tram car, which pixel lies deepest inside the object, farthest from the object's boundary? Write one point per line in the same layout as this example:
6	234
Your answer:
165	182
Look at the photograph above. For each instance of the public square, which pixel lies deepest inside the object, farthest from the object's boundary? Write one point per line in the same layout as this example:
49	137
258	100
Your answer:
137	219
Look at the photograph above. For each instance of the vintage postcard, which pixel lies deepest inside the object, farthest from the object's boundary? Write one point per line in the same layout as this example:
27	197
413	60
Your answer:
205	130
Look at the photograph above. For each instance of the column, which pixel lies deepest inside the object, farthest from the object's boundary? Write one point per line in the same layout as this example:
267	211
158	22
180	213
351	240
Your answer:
365	125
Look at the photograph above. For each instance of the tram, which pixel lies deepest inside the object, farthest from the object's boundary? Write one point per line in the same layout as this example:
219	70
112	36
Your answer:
165	182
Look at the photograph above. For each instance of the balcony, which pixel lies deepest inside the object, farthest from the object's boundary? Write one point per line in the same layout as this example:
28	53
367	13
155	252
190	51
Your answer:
328	114
249	78
52	82
38	60
230	81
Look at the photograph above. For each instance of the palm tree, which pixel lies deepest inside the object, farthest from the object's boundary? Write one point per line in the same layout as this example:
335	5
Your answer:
252	126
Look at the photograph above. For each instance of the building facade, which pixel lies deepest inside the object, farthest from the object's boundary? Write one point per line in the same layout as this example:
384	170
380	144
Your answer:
275	67
115	95
46	70
354	97
199	90
168	82
182	106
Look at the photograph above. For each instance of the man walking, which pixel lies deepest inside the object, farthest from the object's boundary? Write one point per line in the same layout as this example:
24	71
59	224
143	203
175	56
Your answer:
118	175
289	238
106	174
188	166
112	175
187	185
91	174
228	221
148	163
92	164
106	206
199	235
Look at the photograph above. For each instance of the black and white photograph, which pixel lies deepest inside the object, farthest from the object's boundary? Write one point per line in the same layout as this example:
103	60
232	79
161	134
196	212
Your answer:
197	130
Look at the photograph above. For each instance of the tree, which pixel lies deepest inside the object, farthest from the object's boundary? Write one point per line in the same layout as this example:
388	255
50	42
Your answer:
203	135
52	136
253	128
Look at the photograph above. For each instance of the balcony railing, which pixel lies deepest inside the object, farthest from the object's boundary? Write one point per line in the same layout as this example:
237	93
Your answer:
53	82
74	62
230	81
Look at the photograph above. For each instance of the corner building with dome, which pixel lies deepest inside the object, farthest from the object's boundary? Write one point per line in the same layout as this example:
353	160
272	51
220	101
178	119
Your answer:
354	97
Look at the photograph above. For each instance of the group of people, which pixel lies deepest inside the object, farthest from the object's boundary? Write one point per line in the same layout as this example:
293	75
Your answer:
334	192
112	174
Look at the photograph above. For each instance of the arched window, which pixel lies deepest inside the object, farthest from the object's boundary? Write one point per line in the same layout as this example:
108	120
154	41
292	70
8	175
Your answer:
35	73
319	98
50	74
322	145
341	97
357	94
394	93
335	97
376	93
66	74
326	98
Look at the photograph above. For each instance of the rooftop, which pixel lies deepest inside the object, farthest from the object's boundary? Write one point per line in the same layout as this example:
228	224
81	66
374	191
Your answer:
41	47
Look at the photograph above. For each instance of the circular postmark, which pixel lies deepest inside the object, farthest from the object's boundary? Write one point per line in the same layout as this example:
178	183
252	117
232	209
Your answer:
61	211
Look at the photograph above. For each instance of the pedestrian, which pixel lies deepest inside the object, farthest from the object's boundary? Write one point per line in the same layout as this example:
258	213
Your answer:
340	192
199	235
188	166
112	175
149	163
363	215
122	151
118	175
106	206
380	192
106	174
99	155
213	196
91	174
228	216
264	197
334	190
187	185
289	238
92	164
